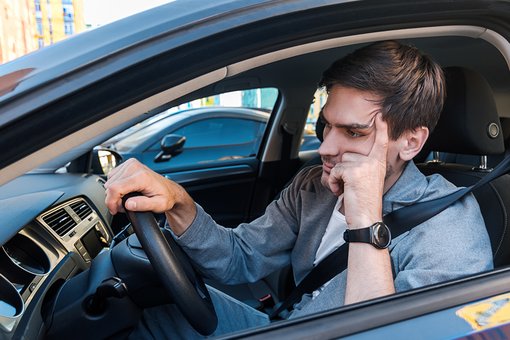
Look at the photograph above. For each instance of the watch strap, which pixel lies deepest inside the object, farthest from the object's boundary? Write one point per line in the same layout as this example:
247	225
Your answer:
358	235
378	235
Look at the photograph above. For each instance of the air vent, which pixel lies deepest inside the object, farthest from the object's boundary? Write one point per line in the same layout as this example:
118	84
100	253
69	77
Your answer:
60	221
82	209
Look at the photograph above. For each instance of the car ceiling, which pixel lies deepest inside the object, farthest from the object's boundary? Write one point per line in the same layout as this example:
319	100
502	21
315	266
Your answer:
306	69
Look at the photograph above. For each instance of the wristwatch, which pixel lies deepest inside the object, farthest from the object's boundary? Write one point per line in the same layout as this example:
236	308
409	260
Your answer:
378	235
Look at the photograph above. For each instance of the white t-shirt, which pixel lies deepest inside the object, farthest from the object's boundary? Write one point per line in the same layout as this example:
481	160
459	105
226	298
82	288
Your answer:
332	238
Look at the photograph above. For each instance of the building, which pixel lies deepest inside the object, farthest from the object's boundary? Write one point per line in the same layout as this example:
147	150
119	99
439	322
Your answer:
26	25
17	29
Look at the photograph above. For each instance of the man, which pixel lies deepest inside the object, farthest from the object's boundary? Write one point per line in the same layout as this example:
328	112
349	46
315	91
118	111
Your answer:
383	101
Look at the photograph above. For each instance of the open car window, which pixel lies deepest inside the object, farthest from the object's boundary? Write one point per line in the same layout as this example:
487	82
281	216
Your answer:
213	129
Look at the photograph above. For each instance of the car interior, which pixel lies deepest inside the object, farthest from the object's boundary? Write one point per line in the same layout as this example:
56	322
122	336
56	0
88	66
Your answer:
65	256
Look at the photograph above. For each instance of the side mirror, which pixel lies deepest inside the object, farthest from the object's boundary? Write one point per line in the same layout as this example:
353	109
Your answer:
104	160
171	145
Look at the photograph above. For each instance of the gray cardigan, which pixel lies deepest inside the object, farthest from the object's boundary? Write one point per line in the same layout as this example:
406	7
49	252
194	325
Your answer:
451	244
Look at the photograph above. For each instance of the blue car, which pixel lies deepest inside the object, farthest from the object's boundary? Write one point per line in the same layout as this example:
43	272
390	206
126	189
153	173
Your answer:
197	138
69	269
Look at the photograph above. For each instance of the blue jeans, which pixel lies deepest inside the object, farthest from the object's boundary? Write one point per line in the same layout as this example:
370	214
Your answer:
167	322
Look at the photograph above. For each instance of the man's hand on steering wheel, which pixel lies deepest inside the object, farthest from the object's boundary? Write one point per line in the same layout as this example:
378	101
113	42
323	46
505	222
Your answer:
159	194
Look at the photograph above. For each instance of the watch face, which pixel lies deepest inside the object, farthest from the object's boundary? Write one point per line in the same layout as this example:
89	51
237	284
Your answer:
382	236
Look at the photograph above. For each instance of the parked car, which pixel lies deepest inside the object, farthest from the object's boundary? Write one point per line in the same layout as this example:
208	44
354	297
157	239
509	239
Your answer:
209	135
65	260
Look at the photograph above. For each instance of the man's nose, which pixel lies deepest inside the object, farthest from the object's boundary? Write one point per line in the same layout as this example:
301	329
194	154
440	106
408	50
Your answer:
330	145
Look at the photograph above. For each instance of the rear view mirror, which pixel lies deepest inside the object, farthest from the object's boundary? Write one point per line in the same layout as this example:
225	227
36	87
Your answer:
171	145
104	160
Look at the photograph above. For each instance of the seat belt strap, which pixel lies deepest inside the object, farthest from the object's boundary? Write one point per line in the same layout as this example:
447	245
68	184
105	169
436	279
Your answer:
399	221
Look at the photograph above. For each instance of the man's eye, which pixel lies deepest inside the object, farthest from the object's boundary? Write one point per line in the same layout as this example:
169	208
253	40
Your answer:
353	134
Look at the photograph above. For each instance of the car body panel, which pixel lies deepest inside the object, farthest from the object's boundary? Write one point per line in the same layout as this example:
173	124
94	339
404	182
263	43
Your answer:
400	317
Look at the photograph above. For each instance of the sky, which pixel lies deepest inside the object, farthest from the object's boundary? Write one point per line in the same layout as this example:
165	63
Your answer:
101	12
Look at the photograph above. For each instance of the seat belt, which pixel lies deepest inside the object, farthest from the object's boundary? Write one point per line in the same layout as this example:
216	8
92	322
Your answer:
399	221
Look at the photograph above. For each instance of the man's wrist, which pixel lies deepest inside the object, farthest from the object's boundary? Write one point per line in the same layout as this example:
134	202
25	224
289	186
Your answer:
377	234
183	212
363	222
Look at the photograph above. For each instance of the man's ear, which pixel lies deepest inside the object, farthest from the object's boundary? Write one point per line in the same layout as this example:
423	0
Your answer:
412	142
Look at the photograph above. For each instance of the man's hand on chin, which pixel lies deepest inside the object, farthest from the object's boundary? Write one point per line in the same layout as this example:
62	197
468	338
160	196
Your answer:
361	179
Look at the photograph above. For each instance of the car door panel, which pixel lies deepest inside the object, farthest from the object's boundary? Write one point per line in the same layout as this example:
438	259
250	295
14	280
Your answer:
225	192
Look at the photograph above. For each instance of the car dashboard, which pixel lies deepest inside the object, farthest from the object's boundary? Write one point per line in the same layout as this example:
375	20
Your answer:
53	225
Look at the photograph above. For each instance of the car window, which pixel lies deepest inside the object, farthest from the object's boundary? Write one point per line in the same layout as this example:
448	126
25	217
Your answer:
252	104
138	134
222	132
310	141
219	128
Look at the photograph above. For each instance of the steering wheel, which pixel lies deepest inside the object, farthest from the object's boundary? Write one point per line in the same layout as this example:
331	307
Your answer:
175	271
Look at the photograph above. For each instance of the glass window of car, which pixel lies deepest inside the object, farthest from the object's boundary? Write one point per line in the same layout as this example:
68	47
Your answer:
221	132
262	100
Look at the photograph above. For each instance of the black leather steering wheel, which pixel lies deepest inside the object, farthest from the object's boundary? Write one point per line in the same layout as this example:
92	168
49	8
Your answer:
175	271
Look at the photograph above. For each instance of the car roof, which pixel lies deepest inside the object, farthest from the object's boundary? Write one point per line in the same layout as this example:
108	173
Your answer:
177	23
82	50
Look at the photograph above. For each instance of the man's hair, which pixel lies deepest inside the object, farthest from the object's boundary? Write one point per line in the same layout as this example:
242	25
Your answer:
411	84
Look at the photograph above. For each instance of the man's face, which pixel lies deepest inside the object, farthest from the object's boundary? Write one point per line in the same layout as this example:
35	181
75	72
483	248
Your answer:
349	115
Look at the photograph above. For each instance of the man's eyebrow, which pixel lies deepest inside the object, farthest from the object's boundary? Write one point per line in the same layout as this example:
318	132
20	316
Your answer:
352	126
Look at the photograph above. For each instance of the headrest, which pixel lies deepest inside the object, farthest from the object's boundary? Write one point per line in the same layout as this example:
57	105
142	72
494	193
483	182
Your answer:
469	123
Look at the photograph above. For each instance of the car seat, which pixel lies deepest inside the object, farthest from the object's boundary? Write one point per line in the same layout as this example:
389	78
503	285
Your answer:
469	125
492	160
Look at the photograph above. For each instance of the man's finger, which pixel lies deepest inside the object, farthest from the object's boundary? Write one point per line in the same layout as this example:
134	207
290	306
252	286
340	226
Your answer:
335	180
117	190
155	204
380	147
